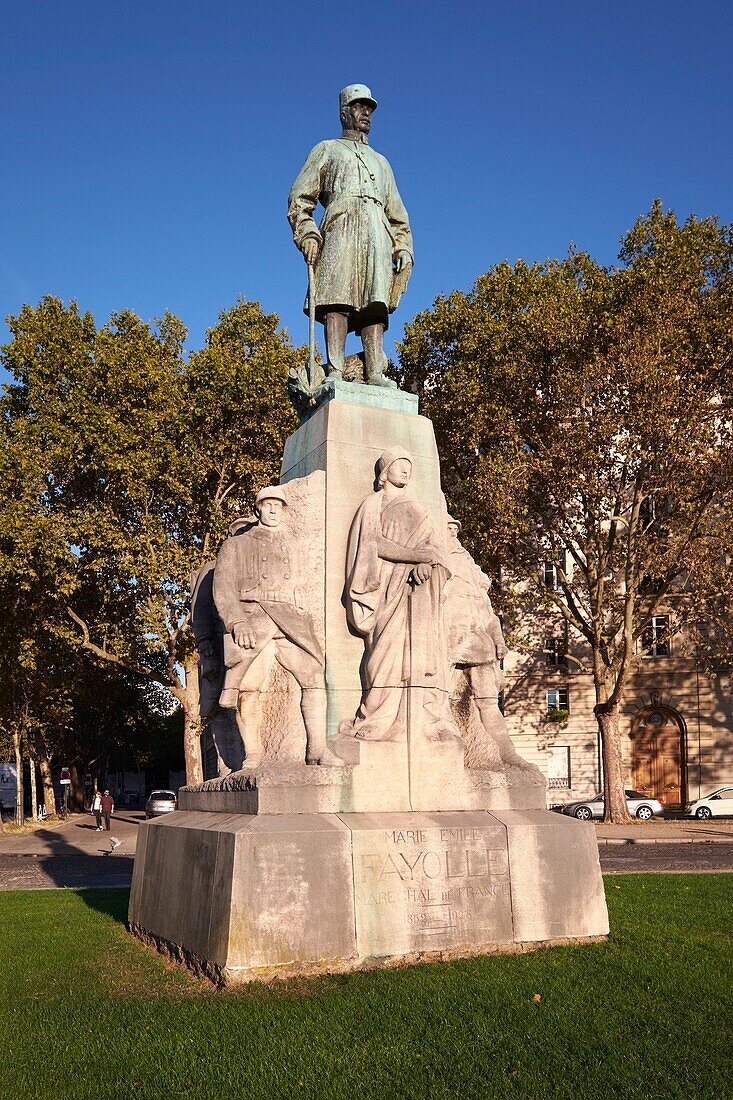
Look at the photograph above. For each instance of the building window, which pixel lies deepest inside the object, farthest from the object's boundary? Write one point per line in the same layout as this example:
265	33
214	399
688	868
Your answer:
551	578
558	768
555	653
557	699
655	637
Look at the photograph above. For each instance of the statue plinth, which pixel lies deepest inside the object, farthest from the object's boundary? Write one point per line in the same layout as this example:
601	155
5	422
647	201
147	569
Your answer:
404	850
242	898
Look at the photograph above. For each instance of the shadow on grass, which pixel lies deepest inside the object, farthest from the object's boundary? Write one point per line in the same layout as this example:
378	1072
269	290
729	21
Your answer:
111	901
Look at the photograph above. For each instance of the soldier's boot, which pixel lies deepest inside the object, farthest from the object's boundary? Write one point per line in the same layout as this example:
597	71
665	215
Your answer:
228	741
248	721
493	722
336	326
375	361
313	709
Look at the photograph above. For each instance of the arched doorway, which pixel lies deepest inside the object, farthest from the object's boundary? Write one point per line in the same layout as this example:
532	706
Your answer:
658	755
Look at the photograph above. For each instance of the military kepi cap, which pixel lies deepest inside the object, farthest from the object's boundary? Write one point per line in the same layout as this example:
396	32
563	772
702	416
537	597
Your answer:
271	492
352	92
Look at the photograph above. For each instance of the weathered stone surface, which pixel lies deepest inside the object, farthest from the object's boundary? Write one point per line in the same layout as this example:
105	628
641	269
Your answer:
376	778
426	882
373	779
291	893
179	886
373	397
237	896
242	892
346	441
557	889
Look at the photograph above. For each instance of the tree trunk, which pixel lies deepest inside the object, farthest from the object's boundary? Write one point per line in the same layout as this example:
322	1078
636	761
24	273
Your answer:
192	722
615	808
49	798
34	793
19	793
76	789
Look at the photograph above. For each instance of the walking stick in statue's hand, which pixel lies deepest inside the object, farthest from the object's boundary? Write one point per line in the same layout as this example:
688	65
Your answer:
312	326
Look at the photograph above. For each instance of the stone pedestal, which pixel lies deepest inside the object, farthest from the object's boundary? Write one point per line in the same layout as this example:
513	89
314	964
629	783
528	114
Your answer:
404	852
240	896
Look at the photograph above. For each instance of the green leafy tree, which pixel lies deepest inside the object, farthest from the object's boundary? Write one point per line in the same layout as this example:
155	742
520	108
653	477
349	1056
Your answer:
583	416
136	459
35	573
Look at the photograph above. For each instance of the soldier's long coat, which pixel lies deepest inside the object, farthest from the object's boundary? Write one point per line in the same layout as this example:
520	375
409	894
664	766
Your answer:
364	225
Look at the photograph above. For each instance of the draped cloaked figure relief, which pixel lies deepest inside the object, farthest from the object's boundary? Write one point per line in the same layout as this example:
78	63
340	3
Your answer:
396	570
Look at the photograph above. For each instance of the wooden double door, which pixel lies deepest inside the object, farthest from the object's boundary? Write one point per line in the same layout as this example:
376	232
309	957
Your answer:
657	756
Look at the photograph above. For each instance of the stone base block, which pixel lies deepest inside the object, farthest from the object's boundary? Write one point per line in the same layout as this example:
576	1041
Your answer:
240	897
378	777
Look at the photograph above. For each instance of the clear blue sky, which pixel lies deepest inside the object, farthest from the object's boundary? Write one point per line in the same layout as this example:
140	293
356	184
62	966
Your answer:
149	146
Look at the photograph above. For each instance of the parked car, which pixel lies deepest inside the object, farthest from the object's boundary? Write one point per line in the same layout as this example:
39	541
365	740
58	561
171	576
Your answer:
161	802
592	808
717	804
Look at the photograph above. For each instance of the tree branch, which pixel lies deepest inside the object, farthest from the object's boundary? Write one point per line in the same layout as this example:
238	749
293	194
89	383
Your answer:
105	654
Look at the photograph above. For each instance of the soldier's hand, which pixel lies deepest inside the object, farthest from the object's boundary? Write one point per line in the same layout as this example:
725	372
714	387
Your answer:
243	636
402	260
311	250
421	573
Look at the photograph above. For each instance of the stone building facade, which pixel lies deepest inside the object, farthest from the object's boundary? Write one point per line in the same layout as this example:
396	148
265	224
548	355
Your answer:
676	719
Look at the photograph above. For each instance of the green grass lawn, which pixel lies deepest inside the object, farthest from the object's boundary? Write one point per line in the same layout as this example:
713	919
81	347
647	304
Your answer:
87	1012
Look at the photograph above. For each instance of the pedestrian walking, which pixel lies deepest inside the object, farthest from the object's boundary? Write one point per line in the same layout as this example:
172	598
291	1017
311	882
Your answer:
97	809
108	808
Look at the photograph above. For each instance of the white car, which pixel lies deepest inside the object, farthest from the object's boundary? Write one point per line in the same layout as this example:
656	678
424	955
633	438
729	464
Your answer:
717	804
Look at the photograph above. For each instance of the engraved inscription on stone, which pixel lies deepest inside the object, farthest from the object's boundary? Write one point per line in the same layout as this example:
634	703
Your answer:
427	889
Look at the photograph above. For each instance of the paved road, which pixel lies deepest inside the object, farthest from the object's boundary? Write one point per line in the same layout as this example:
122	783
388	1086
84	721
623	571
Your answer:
50	872
73	854
622	858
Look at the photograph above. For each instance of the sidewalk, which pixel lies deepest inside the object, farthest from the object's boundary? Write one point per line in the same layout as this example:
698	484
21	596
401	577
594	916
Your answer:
682	831
77	836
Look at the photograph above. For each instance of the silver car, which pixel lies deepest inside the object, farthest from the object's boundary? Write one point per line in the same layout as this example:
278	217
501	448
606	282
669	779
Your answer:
161	802
592	808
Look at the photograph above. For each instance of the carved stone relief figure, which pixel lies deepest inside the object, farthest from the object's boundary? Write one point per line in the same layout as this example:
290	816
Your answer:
208	630
257	594
476	644
396	570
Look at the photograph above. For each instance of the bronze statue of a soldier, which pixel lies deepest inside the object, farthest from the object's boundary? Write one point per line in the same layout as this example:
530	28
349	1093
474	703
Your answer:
361	253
